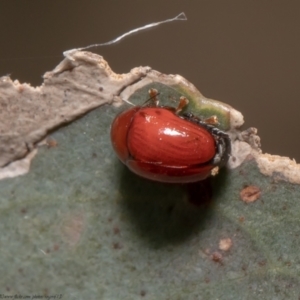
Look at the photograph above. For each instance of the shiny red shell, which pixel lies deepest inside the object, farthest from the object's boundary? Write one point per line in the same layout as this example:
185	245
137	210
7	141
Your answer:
157	144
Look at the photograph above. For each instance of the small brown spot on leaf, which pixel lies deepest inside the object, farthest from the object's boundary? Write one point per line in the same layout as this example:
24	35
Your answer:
116	230
217	257
250	193
23	210
117	246
262	263
55	247
242	219
143	293
225	244
51	142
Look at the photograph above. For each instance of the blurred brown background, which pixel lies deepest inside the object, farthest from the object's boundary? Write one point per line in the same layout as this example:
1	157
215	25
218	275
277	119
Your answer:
245	53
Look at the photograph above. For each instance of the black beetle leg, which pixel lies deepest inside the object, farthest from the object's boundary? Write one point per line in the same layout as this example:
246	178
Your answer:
223	147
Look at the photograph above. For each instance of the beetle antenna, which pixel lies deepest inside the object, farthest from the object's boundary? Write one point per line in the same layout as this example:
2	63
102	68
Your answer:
180	17
153	93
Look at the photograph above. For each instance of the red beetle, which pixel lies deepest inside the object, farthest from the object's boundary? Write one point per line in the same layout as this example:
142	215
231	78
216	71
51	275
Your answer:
156	143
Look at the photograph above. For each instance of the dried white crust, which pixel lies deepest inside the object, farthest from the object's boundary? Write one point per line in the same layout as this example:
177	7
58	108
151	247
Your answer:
279	167
77	85
84	81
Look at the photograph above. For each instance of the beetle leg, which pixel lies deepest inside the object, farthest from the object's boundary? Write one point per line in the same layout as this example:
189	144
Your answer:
223	147
213	120
192	118
218	157
153	93
183	101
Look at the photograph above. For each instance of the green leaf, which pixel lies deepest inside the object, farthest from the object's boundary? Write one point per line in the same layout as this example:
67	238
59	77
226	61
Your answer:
81	225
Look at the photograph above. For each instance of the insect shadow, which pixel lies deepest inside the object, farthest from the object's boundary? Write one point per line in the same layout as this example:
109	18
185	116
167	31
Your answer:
164	214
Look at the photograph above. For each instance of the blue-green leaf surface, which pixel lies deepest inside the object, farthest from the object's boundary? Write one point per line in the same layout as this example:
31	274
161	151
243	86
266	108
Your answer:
80	225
